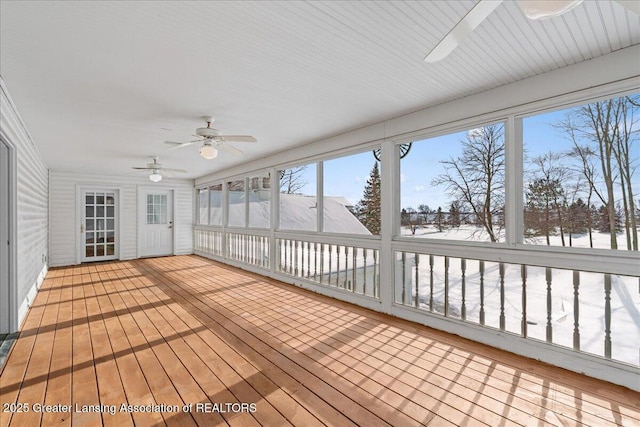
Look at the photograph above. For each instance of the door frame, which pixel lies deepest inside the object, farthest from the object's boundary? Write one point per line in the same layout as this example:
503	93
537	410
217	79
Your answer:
80	188
142	210
10	322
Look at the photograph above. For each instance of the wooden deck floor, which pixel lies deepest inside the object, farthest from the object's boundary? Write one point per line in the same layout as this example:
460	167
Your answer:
240	349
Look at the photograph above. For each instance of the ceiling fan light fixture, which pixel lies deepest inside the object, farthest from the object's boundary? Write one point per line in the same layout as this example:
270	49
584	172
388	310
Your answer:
543	9
208	151
155	176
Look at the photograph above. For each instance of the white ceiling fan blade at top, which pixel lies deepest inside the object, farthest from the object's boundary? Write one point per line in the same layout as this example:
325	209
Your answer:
238	138
174	170
462	29
231	150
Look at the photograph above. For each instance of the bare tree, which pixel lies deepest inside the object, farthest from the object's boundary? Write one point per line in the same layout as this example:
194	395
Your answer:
292	179
409	217
603	135
476	178
623	147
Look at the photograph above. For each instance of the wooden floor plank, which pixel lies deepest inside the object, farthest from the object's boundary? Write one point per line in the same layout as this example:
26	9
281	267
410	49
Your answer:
110	389
270	375
187	330
59	377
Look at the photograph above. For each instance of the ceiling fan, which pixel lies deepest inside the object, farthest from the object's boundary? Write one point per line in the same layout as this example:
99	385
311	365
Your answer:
157	169
212	140
532	9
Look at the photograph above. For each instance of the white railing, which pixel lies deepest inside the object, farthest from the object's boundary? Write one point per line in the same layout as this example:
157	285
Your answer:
352	265
250	248
208	240
592	312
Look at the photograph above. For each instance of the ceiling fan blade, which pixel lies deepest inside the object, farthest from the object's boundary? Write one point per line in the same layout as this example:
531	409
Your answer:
631	5
462	29
142	169
238	138
537	9
175	170
175	145
164	172
231	150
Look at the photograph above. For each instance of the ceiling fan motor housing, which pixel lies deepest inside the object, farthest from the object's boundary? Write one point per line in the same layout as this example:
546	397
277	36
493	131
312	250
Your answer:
207	132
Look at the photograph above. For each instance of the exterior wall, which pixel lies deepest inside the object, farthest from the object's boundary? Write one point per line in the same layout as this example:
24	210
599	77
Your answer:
63	213
31	209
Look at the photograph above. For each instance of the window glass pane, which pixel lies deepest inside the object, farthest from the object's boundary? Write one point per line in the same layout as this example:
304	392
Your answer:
100	199
110	224
110	236
156	198
203	203
150	219
581	183
236	203
298	203
149	198
89	211
215	210
452	186
259	201
99	211
99	250
89	224
111	249
89	199
110	199
110	211
352	194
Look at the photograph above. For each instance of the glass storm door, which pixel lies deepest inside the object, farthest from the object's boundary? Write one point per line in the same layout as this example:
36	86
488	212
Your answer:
99	226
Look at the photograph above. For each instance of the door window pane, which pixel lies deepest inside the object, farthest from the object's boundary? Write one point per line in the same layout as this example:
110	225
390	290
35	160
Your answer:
157	209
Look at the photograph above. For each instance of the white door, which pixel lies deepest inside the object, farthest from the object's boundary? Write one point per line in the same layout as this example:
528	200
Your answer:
4	239
99	225
155	222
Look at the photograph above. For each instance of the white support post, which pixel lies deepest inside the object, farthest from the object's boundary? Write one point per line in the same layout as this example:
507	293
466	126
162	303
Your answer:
389	190
514	215
274	254
225	218
320	196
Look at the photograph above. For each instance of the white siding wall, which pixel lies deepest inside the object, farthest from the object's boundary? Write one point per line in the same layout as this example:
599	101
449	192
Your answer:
63	212
32	205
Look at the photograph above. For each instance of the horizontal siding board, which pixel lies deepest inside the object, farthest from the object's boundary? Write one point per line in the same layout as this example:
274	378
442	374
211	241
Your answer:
63	213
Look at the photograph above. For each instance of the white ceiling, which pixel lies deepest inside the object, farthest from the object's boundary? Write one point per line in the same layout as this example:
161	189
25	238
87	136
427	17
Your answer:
102	84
